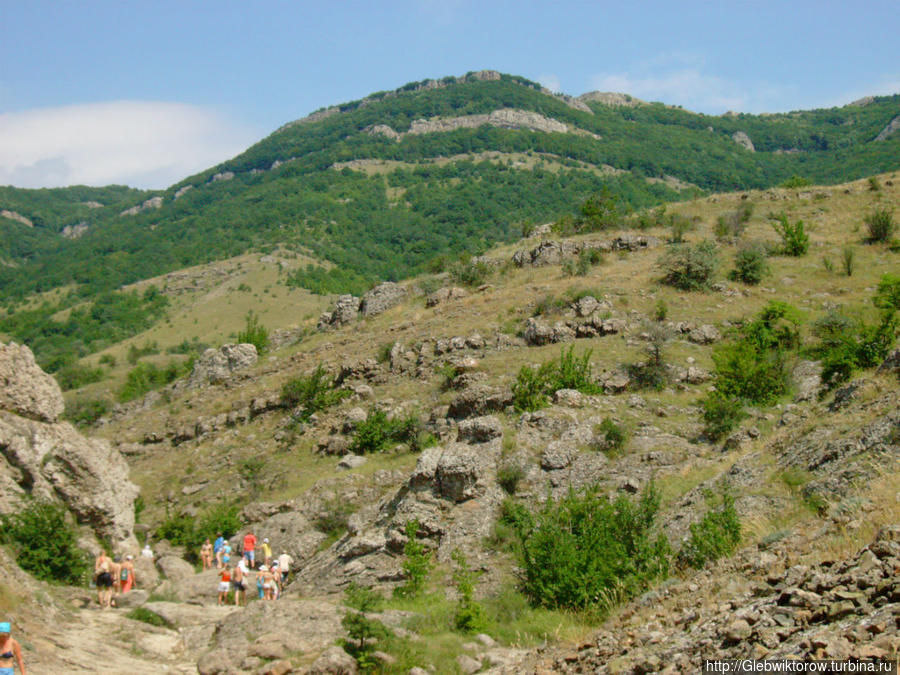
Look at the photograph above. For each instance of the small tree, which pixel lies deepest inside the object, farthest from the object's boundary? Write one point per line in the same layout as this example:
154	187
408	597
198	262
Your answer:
362	631
254	333
715	535
469	615
794	240
750	264
416	564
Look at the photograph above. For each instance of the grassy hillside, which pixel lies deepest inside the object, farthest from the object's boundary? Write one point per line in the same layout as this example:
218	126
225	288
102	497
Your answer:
369	194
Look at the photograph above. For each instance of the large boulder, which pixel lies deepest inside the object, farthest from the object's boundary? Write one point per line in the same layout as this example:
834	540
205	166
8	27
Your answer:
381	298
25	389
55	462
217	365
346	309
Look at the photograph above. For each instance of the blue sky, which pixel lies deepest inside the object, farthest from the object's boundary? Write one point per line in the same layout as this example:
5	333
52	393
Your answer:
145	93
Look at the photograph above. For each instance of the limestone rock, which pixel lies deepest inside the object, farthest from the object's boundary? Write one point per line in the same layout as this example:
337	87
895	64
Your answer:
381	298
175	568
25	389
892	127
807	375
345	310
333	661
742	139
480	429
704	335
54	461
217	365
445	294
479	399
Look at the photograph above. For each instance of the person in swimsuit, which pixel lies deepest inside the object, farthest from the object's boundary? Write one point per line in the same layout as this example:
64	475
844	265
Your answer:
126	574
239	582
259	581
9	650
206	554
104	579
219	550
224	584
226	554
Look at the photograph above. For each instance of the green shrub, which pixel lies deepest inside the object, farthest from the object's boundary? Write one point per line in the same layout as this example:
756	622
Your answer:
794	240
532	388
378	432
600	211
75	375
689	267
715	535
146	616
469	615
83	412
251	468
184	530
660	310
750	264
147	377
470	272
416	564
848	257
846	345
795	181
509	475
254	333
880	223
146	349
721	414
611	436
312	393
887	296
383	353
733	223
679	225
45	542
580	550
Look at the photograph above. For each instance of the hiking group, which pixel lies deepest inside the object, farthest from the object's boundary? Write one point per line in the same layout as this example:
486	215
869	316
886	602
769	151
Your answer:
269	574
113	577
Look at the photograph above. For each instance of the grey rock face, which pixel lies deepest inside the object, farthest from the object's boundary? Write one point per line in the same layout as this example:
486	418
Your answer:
742	139
54	461
445	294
480	429
217	365
345	310
381	298
25	389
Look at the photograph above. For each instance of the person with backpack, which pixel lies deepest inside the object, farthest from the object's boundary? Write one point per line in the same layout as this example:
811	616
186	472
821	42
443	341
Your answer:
103	565
126	574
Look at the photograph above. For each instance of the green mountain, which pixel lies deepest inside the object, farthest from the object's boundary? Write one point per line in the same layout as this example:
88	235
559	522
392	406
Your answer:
379	188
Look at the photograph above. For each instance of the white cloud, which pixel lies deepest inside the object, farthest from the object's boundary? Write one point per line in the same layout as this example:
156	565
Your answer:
140	143
551	82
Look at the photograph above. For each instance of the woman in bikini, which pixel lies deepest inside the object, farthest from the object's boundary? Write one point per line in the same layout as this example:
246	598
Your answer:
9	651
206	554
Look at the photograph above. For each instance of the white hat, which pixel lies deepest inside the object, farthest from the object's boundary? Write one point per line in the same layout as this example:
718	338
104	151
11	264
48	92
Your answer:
266	540
263	568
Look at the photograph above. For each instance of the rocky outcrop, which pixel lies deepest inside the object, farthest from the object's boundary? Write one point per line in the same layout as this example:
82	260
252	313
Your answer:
217	365
51	460
743	140
505	118
382	298
25	389
345	310
892	127
18	217
611	98
75	231
444	294
147	205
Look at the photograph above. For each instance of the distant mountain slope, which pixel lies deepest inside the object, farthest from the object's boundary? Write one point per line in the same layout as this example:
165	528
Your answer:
519	154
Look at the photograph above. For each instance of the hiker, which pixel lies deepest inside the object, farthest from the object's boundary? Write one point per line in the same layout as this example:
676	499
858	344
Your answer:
239	582
126	574
147	552
9	650
276	581
218	549
266	552
224	584
103	578
226	553
250	547
268	583
284	566
206	554
117	582
259	581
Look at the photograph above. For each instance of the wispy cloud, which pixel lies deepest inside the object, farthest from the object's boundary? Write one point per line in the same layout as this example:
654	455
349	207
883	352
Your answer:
139	143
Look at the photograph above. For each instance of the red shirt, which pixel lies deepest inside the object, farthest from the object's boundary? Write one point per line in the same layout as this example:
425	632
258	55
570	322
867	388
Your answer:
249	542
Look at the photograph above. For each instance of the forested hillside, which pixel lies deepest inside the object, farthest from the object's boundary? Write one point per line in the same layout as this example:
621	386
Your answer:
381	188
